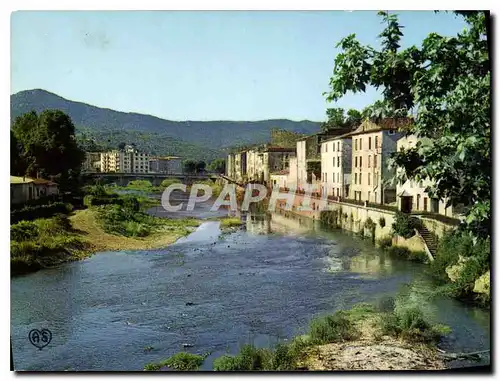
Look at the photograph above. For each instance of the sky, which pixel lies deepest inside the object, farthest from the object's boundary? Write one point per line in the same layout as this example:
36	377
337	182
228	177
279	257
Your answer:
200	65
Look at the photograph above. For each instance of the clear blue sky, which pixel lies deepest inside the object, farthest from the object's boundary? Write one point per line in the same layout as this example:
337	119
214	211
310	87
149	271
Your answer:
199	65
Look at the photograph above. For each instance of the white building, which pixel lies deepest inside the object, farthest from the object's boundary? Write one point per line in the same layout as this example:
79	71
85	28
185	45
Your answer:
336	157
412	196
130	160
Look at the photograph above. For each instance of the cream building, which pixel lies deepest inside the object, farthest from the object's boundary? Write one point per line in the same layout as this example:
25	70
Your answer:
336	156
292	173
280	179
372	145
412	196
230	169
127	161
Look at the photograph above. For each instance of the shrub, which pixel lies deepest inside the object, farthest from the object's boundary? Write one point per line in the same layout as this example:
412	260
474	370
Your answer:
385	242
332	328
381	222
185	361
167	182
404	226
408	323
249	358
40	211
23	231
475	258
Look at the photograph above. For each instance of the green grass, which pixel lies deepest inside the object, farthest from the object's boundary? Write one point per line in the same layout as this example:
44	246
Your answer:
181	361
43	242
332	329
230	222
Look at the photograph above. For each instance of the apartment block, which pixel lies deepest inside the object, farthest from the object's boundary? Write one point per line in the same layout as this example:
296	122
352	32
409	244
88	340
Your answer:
372	145
309	158
336	157
128	160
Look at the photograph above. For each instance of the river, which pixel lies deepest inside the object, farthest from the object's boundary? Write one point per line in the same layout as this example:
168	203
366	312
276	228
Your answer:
214	292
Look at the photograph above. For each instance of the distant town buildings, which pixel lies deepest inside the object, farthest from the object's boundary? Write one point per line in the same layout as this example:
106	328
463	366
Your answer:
167	164
344	164
130	160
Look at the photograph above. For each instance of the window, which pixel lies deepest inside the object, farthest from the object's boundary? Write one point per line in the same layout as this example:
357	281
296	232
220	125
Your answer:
326	177
355	144
376	141
369	178
338	146
360	178
369	161
355	178
375	161
333	146
360	161
361	143
369	143
338	161
334	162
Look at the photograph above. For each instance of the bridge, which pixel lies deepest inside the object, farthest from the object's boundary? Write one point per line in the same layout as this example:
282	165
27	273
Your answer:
122	178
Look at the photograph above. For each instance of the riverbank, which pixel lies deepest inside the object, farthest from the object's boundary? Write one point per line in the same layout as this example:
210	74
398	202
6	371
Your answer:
45	243
85	222
362	338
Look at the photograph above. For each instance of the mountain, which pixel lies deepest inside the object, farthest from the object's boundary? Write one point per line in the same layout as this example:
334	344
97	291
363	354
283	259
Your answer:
188	138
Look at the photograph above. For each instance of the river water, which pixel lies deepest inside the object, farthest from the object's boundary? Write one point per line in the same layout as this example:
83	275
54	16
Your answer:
213	292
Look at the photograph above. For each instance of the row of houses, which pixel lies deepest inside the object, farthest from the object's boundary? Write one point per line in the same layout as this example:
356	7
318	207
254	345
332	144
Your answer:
130	160
342	164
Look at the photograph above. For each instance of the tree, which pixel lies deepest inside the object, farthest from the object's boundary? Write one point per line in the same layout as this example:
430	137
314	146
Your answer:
189	166
218	165
49	146
17	165
200	166
446	85
121	146
337	118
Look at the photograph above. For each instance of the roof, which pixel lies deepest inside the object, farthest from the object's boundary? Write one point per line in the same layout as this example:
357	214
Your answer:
20	180
279	149
43	182
385	124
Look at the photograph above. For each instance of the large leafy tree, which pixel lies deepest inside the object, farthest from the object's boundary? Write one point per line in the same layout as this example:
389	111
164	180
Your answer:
338	118
49	147
445	85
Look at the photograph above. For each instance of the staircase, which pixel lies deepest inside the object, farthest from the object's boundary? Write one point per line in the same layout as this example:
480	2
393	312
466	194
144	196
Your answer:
427	237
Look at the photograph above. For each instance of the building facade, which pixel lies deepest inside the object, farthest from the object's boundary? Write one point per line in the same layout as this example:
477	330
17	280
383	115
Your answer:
372	145
129	160
167	164
412	196
336	157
